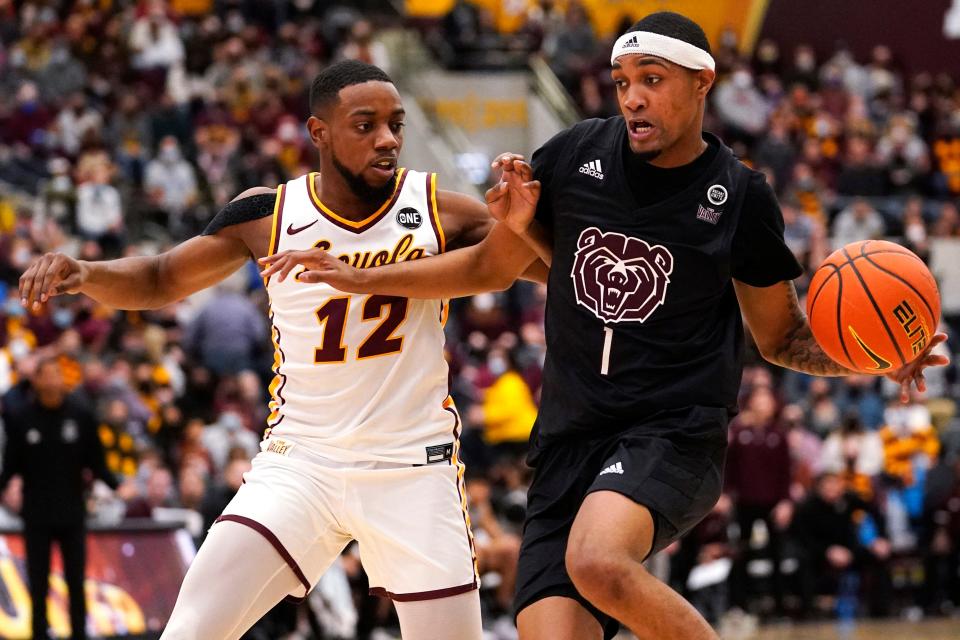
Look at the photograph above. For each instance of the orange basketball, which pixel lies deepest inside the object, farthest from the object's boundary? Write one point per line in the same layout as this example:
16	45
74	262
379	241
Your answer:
873	306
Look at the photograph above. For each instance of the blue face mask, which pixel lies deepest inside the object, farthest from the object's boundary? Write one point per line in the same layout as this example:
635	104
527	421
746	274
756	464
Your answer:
62	318
497	366
14	309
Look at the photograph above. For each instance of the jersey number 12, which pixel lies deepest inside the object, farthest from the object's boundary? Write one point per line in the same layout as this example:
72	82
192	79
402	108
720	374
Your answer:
381	341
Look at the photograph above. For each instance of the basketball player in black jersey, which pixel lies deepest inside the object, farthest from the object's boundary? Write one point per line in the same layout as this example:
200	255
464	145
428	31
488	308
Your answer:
658	238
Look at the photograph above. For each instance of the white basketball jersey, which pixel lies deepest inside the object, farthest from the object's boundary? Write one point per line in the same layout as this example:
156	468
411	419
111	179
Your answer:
360	377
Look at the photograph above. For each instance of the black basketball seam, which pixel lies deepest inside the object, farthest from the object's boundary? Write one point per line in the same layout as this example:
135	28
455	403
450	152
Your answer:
876	308
843	343
816	295
912	288
837	269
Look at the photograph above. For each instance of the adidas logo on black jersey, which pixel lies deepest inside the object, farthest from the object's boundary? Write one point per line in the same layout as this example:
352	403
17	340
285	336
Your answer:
616	467
592	168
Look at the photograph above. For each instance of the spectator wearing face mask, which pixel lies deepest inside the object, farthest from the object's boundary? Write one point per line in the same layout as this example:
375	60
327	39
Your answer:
171	181
29	120
154	39
741	106
859	221
508	407
855	455
100	209
77	124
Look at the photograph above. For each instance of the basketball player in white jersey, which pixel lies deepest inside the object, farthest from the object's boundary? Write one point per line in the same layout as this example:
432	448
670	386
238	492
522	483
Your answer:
362	440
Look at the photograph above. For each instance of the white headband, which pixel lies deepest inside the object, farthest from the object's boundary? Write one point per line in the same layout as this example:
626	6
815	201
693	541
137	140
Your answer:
655	44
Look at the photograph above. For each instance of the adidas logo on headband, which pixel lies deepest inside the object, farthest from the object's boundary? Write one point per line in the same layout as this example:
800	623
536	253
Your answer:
655	44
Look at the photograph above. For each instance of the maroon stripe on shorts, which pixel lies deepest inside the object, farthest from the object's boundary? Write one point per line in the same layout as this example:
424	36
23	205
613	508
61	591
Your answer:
273	540
460	492
423	595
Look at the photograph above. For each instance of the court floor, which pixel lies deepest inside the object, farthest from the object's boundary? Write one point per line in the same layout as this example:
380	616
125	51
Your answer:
941	629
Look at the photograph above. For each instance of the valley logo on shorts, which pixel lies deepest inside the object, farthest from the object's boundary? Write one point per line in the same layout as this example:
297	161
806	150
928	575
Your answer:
619	278
409	218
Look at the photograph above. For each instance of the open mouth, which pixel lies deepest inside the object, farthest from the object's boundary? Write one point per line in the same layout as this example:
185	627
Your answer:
385	166
639	128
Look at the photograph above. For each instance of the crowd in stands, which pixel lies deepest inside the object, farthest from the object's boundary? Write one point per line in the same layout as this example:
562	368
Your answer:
124	126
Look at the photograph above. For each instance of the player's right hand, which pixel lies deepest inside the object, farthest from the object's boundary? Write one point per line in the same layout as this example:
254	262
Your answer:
319	266
513	200
51	275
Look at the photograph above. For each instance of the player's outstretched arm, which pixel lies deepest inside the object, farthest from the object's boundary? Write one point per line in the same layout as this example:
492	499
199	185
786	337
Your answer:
783	336
492	265
147	282
142	282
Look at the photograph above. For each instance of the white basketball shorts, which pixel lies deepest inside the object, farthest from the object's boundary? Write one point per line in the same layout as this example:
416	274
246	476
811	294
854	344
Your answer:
410	522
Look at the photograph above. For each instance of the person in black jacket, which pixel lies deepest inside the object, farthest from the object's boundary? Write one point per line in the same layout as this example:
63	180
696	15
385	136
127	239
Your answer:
52	444
831	530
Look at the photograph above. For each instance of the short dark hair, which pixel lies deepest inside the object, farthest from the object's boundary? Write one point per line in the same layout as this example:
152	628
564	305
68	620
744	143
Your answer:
326	87
668	23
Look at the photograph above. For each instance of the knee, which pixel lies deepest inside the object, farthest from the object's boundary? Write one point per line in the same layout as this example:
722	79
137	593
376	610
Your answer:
601	576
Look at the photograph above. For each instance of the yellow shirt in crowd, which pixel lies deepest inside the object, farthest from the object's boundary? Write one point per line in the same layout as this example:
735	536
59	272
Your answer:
508	410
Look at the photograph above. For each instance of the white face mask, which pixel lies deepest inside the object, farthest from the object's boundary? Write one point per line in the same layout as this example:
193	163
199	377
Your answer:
18	349
169	155
497	366
742	79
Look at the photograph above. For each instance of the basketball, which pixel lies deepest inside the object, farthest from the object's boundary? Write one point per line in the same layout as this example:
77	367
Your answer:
873	306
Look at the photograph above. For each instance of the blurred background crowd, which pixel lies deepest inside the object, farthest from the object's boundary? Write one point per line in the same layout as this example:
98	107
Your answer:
125	126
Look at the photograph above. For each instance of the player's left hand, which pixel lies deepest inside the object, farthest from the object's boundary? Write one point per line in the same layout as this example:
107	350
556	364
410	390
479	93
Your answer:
320	266
513	200
913	372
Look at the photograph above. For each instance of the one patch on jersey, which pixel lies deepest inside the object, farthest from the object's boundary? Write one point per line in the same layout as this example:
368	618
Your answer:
717	194
439	453
409	218
619	278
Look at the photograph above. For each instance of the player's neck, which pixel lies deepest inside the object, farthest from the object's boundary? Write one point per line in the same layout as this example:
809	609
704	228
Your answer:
685	151
336	194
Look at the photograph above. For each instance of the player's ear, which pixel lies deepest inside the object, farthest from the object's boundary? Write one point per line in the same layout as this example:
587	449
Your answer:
704	81
319	131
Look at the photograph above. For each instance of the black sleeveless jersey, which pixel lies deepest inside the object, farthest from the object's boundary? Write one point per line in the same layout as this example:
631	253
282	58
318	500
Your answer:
641	312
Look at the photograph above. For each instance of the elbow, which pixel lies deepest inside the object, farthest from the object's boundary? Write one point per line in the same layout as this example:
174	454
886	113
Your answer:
488	276
770	352
500	282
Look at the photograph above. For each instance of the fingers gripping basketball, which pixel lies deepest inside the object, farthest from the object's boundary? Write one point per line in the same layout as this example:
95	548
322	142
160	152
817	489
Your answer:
873	306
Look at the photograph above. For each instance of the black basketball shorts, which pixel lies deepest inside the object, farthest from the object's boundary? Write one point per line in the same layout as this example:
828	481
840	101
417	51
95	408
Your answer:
671	463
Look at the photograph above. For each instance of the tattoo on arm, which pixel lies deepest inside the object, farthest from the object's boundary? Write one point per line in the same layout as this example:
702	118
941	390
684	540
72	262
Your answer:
799	350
